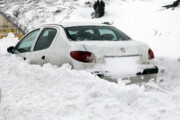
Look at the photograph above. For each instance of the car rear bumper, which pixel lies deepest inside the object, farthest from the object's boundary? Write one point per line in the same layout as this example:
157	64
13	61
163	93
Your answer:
148	71
145	76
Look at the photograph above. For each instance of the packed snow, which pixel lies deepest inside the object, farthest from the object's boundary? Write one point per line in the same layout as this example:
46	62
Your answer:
33	92
51	92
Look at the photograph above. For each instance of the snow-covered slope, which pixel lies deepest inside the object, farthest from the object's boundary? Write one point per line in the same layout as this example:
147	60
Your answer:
32	92
145	21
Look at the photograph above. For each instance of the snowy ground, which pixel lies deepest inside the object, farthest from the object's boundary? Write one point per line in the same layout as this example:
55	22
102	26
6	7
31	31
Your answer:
32	92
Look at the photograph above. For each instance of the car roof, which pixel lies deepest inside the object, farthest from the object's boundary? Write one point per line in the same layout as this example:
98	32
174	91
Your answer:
73	24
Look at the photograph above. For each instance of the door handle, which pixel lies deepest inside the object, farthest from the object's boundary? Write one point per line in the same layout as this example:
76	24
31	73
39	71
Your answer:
43	57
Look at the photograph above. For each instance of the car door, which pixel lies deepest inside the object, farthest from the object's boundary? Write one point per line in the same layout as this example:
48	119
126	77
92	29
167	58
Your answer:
24	46
41	48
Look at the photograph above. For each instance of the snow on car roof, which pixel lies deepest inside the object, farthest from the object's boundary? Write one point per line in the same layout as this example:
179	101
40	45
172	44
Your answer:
71	24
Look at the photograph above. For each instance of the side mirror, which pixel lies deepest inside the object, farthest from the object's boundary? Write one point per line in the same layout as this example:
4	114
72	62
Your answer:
11	49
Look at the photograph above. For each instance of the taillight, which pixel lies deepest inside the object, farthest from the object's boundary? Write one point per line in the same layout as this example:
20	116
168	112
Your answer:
83	56
150	54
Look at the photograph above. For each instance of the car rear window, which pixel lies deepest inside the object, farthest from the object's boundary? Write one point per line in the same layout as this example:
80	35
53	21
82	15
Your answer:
92	33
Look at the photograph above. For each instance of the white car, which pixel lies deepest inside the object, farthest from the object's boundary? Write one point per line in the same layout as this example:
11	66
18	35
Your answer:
82	45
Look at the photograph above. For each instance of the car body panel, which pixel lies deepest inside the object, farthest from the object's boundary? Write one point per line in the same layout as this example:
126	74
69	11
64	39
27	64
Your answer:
42	56
130	48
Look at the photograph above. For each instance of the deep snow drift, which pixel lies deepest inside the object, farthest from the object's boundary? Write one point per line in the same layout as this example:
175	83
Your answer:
33	92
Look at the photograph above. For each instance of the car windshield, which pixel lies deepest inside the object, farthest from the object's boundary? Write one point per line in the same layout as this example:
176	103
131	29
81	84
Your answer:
98	33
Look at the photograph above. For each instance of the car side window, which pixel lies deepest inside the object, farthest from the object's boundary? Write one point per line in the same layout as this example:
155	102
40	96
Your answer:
25	44
45	39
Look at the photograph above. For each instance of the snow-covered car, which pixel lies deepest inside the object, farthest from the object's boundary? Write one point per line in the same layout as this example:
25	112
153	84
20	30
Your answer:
83	45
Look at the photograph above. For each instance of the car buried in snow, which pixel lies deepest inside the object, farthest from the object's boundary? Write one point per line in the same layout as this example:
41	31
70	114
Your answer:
83	46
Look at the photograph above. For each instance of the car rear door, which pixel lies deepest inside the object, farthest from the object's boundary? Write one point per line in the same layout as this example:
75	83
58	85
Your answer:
42	46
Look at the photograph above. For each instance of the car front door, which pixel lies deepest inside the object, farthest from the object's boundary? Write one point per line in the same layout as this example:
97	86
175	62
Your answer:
42	46
24	46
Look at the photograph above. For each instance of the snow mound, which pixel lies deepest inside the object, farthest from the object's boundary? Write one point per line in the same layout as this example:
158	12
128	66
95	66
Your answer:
33	92
50	92
5	42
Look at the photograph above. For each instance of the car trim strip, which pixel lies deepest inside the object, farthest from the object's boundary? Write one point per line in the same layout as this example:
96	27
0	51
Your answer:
133	55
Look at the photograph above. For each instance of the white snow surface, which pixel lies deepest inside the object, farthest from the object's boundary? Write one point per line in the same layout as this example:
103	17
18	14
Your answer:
33	92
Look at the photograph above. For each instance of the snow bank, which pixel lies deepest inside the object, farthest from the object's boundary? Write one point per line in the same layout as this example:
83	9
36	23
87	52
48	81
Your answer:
33	92
6	42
